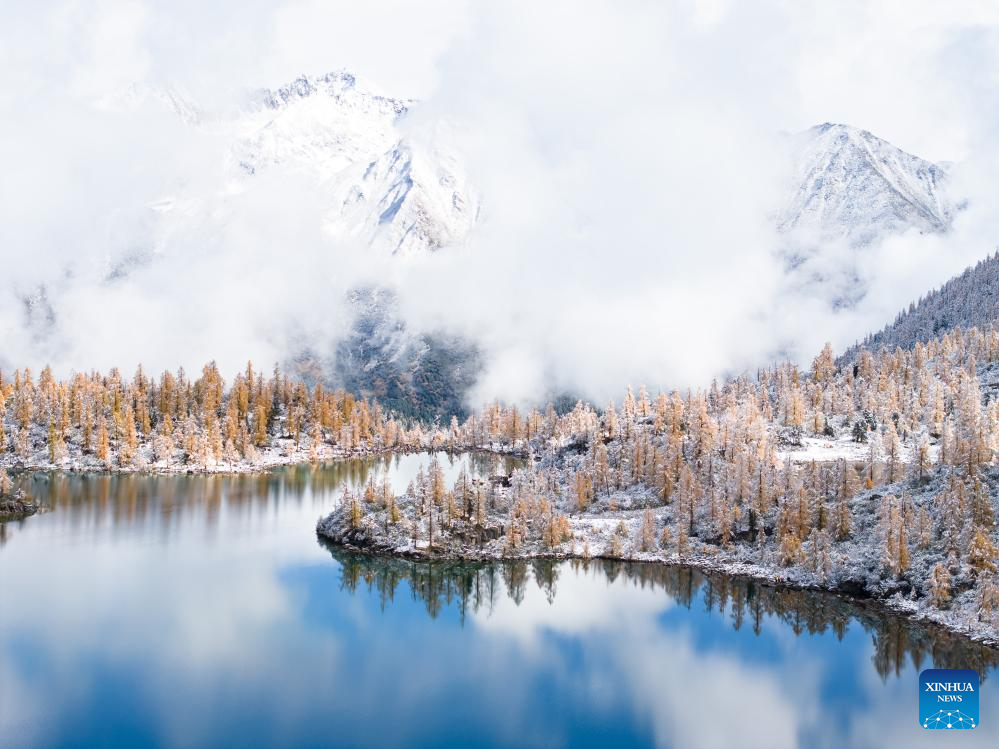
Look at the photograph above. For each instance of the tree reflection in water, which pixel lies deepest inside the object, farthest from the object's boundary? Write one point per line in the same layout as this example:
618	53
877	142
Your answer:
124	501
471	587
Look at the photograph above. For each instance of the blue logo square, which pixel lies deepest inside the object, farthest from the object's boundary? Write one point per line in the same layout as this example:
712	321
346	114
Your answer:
948	698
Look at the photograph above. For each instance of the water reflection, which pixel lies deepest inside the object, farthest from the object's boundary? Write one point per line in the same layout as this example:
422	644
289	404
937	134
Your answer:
116	503
473	586
201	611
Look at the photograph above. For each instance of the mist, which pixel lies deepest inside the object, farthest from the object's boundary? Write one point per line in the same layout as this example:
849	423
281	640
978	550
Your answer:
630	157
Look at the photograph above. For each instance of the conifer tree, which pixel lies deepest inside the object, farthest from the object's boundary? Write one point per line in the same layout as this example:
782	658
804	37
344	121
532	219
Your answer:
583	490
921	461
665	538
602	469
982	514
790	549
437	485
647	531
616	550
939	586
872	473
892	454
53	450
355	509
824	364
682	540
842	519
988	598
103	447
982	552
820	555
260	426
557	530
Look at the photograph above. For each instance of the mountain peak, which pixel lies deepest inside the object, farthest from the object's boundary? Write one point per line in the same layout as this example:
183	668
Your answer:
838	127
384	185
850	184
850	187
826	126
340	85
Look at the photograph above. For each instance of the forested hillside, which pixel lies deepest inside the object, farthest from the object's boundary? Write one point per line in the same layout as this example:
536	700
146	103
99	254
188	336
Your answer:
968	300
176	422
718	478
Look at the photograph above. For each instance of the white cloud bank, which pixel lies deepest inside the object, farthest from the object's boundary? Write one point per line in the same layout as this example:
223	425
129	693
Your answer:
627	153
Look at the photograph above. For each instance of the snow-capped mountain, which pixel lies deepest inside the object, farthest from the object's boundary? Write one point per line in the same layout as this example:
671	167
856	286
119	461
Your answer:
384	183
388	182
381	179
370	170
849	190
398	188
850	184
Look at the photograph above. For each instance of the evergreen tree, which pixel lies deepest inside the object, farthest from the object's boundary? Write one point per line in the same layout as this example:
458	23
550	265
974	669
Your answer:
940	586
982	552
647	531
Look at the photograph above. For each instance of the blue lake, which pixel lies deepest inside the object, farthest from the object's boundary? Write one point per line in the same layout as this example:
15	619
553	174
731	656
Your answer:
187	611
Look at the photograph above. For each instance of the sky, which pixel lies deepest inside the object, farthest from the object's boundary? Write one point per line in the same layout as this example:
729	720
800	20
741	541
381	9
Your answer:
627	154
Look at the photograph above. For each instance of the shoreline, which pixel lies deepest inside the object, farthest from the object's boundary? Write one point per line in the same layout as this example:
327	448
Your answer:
17	507
265	464
788	577
893	604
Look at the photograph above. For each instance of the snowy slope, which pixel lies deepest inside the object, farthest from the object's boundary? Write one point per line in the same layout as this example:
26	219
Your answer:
382	180
848	191
968	300
391	188
849	184
388	182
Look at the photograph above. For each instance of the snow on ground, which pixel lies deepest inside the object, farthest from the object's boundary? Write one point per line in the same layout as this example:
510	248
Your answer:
825	449
611	528
841	446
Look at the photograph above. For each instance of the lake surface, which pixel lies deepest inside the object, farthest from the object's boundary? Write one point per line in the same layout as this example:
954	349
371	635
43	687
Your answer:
186	611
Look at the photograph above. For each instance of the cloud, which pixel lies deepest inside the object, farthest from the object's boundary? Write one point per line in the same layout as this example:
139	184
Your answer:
638	650
629	156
